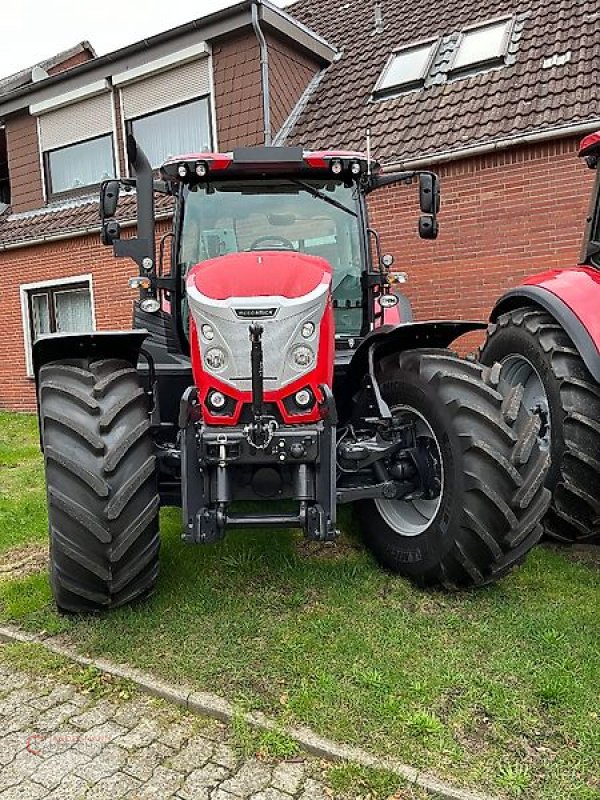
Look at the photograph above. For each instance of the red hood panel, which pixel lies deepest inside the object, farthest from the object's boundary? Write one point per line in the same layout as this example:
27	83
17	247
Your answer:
263	273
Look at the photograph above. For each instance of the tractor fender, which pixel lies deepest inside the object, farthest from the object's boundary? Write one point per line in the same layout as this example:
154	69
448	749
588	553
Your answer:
572	297
101	344
390	339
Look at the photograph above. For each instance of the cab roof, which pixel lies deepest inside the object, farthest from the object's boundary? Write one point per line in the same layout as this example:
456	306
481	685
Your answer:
249	161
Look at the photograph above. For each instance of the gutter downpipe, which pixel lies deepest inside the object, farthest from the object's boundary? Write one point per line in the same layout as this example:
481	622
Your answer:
264	73
492	147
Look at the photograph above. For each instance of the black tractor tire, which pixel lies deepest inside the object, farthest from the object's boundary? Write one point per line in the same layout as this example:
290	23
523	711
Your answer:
101	483
573	399
492	474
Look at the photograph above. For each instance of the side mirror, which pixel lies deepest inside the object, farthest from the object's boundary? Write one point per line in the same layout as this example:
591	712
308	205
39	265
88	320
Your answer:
428	226
109	199
111	232
429	193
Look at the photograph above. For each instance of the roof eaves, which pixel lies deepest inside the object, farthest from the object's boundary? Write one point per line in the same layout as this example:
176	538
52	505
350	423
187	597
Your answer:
286	23
114	56
494	145
23	76
213	26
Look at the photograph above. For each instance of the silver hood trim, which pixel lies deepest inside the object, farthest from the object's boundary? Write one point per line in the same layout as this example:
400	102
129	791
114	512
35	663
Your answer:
282	333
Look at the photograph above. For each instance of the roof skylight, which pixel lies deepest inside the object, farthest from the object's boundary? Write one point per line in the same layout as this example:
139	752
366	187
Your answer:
482	45
406	68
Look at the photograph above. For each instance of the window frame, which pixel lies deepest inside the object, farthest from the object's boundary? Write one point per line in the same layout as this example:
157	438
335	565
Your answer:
49	287
380	90
4	170
128	123
486	62
79	190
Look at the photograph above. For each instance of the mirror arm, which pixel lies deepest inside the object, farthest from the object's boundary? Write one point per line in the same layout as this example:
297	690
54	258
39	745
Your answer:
377	181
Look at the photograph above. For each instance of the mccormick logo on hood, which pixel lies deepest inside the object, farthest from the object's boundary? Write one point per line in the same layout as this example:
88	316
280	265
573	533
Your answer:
254	313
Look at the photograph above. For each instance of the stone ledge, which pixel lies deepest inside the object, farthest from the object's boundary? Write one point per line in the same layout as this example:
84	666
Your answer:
211	705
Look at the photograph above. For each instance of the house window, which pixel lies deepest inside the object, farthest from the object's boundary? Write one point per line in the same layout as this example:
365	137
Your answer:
56	307
407	68
79	165
482	45
174	131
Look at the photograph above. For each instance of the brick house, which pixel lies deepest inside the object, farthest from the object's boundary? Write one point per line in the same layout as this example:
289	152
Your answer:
62	130
494	95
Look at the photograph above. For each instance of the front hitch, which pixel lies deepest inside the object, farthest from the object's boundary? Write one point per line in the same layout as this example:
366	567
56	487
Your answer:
260	431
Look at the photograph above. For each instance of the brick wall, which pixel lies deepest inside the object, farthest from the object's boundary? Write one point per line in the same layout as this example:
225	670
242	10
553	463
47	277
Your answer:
238	97
53	261
237	81
503	217
24	163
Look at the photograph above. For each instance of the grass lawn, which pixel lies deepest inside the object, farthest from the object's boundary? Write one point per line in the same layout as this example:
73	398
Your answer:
498	689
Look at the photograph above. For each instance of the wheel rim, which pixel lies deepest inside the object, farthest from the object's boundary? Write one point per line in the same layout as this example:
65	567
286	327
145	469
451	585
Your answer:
519	370
412	516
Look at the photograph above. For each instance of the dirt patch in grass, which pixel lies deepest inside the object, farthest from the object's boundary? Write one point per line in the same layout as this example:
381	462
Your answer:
23	561
586	554
328	551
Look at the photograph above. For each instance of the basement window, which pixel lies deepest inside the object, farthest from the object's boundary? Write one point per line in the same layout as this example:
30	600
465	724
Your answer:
65	306
407	68
482	45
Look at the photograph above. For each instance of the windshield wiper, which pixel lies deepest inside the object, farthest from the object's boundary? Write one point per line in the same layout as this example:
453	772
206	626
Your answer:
316	193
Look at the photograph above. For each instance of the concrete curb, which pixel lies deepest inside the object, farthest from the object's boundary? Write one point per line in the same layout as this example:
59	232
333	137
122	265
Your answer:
211	705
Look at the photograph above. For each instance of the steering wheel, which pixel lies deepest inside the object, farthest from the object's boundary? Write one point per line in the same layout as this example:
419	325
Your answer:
287	245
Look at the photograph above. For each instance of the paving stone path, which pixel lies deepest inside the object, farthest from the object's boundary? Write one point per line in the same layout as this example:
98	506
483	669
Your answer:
59	743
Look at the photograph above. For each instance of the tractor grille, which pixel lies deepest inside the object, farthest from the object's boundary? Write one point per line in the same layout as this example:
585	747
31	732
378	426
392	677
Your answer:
282	319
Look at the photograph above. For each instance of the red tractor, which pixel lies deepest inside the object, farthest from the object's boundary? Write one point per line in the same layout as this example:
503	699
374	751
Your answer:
546	335
270	362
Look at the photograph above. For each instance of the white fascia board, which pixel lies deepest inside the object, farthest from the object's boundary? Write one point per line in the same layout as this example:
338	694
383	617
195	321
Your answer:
68	98
176	58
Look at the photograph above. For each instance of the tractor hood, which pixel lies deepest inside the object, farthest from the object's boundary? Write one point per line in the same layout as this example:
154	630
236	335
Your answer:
265	273
287	292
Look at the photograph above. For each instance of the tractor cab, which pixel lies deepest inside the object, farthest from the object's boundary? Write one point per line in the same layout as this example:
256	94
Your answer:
287	200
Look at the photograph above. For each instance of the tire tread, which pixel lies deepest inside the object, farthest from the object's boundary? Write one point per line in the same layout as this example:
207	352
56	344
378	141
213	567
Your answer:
102	490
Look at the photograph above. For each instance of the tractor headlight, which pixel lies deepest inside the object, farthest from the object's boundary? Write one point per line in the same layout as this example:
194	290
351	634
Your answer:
216	400
355	168
215	359
207	332
150	305
308	329
302	357
182	170
337	166
201	169
303	398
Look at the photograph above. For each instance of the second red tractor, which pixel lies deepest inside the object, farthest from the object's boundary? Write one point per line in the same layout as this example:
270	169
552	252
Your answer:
546	335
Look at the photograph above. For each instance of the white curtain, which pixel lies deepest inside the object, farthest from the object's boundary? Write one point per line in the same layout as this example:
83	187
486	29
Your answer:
40	314
73	311
83	164
176	131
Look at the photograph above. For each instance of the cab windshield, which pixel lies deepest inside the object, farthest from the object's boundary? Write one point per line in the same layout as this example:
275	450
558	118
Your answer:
313	217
